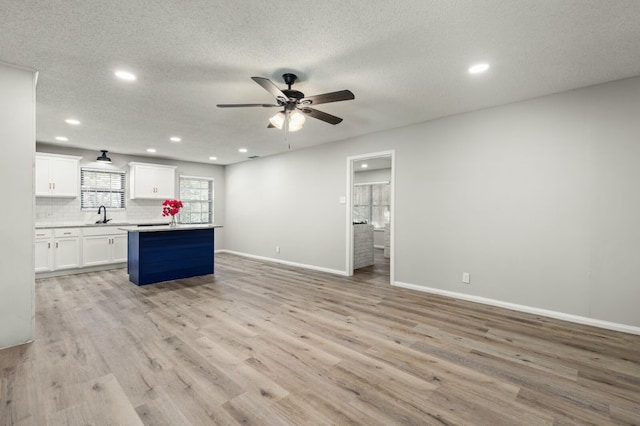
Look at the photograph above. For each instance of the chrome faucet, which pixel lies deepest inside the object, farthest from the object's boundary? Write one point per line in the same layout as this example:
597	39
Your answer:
104	218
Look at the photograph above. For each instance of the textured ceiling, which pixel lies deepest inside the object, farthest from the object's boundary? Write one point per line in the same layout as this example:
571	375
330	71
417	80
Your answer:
405	62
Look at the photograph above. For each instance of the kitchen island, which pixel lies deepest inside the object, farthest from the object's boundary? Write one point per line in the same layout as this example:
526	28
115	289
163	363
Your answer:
162	252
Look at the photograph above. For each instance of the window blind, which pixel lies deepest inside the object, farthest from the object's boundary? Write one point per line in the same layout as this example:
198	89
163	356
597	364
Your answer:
102	188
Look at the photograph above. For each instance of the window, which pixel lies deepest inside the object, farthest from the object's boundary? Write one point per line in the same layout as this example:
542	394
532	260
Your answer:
371	204
101	188
196	193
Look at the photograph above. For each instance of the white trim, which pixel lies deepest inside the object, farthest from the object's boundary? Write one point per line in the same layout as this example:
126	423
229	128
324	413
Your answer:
46	154
81	270
196	177
99	170
21	343
284	262
523	308
349	218
135	163
382	182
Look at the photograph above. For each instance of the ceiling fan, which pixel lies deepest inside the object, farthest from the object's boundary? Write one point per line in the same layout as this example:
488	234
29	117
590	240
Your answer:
296	105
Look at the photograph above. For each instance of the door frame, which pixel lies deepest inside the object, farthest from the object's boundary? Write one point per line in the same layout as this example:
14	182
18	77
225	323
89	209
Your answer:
349	217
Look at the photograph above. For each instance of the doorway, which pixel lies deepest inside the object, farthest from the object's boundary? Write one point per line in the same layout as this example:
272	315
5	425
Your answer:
370	216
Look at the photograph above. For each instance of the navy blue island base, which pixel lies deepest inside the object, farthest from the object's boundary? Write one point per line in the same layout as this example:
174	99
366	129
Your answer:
168	254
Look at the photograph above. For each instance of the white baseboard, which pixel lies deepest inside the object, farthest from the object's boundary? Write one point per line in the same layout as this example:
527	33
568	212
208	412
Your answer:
285	262
523	308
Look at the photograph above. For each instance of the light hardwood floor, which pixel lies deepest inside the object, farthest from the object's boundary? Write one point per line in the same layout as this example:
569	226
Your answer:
260	343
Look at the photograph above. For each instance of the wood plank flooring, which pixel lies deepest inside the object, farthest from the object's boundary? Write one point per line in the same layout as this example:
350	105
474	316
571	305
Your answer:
266	344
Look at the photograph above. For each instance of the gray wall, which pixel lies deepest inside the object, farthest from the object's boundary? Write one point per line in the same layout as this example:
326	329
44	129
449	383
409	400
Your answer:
537	200
121	161
17	138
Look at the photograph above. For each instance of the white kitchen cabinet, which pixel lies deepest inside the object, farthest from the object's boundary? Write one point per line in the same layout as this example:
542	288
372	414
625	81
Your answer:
101	246
57	249
43	251
152	181
56	175
120	245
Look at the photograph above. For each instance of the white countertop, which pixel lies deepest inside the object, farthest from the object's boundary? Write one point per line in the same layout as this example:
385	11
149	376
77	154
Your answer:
49	225
165	228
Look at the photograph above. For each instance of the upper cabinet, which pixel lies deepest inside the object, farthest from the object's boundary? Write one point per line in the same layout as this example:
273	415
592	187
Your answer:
57	175
152	181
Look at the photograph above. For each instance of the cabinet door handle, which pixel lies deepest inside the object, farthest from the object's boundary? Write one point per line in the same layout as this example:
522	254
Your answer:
54	185
48	245
67	233
56	245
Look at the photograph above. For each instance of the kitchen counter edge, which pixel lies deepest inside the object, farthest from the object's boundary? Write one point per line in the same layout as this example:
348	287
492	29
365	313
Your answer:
92	225
166	228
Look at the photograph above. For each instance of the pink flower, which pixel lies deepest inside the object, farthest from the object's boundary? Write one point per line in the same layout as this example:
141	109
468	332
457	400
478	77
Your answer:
171	207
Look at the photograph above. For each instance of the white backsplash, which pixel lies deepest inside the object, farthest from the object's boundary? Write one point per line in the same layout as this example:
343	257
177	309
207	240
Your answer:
62	211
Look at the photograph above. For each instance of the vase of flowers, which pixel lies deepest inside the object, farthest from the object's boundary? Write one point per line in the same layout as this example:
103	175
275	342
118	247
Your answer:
171	208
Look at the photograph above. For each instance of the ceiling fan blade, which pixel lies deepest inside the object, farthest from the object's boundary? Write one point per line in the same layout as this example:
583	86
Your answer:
325	98
245	105
271	88
331	119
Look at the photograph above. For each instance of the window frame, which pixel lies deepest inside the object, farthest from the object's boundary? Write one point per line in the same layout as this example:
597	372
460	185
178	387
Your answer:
185	201
123	191
370	204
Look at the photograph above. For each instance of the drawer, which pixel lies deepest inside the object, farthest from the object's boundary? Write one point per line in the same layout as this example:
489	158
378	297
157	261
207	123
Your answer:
66	232
43	233
97	231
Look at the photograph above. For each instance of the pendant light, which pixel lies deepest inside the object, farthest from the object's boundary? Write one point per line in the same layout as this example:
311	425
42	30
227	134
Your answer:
104	157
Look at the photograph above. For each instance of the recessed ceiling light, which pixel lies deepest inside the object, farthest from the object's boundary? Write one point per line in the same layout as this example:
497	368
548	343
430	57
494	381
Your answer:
213	158
243	150
175	139
62	138
478	68
72	121
152	150
364	165
125	75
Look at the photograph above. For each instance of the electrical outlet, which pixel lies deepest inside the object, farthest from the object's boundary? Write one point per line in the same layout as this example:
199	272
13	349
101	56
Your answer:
277	249
465	278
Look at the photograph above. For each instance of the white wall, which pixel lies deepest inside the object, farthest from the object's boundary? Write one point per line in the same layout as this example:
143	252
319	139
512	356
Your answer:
537	200
17	139
67	210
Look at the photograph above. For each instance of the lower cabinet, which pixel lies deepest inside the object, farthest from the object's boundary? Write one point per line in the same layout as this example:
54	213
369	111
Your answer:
103	246
69	248
43	253
57	249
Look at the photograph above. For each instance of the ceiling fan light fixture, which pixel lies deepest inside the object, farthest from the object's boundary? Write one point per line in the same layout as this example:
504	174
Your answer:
278	120
296	120
103	157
